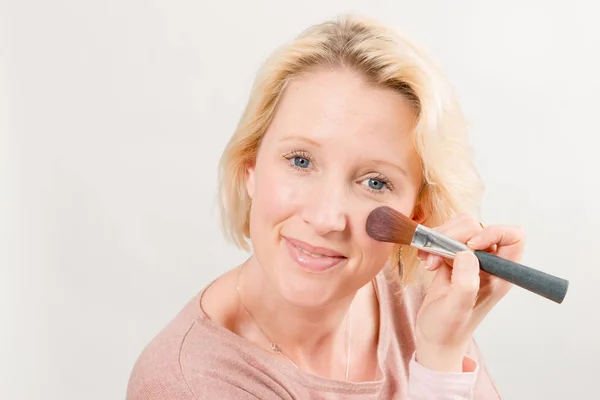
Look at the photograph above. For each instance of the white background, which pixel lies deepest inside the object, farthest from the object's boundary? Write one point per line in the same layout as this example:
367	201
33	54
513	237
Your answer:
113	115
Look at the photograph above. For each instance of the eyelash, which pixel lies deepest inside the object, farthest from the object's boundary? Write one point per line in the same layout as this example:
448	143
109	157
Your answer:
289	156
383	180
300	154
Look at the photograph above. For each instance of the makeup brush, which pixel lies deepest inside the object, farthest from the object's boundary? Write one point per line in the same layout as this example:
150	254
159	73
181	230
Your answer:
388	225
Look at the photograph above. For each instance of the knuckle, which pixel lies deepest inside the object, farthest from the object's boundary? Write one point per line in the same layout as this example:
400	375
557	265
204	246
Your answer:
521	233
474	223
469	221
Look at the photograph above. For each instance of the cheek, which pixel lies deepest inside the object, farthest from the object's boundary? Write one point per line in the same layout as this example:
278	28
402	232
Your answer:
374	252
277	195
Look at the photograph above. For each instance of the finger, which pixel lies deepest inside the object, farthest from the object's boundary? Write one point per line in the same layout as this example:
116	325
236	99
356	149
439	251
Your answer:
492	249
491	287
430	261
464	282
433	262
461	229
489	295
500	236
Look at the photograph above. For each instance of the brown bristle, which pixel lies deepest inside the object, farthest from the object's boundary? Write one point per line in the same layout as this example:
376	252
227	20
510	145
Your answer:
388	225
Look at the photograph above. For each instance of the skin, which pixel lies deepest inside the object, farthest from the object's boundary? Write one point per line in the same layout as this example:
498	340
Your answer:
337	148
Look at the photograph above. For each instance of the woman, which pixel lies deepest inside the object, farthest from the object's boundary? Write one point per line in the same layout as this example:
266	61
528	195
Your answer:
347	117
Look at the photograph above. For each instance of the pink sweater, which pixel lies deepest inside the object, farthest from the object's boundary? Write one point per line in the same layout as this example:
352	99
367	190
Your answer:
195	358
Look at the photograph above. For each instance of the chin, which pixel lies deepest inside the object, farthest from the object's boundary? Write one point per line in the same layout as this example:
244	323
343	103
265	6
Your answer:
304	292
305	287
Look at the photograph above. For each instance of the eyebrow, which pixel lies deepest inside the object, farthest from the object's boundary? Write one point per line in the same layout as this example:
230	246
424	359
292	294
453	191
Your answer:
301	139
389	164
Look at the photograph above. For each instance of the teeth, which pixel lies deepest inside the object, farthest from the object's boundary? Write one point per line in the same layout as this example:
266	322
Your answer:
311	254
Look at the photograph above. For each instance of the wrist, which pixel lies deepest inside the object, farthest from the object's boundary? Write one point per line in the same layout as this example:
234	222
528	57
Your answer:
440	358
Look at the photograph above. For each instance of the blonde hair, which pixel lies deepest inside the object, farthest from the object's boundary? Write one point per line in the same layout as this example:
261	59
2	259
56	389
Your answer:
451	183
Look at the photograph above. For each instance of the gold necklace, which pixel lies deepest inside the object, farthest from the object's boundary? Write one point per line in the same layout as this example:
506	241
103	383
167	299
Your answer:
277	349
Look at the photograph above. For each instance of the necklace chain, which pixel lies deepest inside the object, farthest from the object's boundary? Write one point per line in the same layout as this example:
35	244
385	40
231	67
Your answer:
278	350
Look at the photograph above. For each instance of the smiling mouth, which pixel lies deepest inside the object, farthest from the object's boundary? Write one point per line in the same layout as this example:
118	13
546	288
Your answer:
315	255
311	258
313	251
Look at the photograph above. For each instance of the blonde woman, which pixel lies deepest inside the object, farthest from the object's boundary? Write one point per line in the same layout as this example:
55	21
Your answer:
347	117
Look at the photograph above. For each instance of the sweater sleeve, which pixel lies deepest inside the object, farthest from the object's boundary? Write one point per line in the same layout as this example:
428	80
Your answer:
473	383
426	384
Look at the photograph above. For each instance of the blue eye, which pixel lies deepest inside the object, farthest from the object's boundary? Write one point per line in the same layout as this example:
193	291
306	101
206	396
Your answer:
376	184
301	162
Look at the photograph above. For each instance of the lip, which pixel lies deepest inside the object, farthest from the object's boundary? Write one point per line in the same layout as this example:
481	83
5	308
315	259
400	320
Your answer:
313	249
328	258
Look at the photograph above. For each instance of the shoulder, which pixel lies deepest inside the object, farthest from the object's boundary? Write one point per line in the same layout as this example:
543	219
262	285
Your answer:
184	361
196	356
157	372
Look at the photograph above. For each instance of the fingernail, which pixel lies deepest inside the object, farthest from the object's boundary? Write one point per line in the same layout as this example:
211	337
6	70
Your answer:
466	259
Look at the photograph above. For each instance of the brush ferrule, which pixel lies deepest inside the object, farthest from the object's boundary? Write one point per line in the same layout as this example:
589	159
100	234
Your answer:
431	241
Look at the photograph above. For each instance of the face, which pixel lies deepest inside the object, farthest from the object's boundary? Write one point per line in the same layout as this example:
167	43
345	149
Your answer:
337	148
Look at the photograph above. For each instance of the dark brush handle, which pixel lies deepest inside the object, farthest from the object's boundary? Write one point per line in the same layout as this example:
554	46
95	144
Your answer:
546	285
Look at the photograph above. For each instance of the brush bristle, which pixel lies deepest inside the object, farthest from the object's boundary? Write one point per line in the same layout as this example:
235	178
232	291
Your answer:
388	225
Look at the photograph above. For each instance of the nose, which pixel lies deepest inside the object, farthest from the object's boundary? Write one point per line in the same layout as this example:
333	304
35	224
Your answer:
326	208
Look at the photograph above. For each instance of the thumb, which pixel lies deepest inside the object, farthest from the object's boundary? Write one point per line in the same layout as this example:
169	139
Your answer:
464	282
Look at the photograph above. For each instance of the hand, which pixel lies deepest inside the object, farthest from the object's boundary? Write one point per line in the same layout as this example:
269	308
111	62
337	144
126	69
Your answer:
461	295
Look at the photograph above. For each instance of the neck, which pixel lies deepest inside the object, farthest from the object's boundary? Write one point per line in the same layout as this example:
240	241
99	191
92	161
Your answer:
309	337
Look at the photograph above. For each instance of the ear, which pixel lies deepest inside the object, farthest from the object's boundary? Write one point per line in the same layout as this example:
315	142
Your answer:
250	183
418	215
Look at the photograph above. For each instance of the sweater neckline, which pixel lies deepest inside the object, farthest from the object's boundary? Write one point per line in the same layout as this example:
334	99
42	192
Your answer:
249	349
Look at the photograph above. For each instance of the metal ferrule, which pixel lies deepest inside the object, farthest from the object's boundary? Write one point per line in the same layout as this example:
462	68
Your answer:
431	241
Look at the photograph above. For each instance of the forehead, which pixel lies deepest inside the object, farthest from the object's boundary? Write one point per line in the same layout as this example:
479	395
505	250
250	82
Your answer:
340	107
